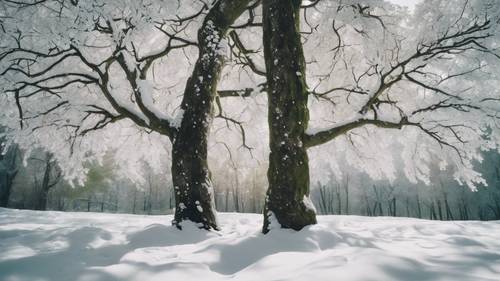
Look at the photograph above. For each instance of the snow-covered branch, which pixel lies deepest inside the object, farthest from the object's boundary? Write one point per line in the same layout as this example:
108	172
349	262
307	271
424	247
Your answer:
317	137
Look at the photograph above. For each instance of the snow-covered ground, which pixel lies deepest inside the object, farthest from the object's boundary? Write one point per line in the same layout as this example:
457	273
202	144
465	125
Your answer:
58	246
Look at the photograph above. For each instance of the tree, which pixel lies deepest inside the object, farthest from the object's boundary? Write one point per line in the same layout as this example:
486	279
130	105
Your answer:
51	176
8	170
191	176
93	48
97	184
429	86
288	175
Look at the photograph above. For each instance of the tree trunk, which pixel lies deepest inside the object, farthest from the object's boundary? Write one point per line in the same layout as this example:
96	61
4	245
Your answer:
6	182
449	214
89	202
190	174
323	206
46	185
170	199
391	207
419	208
8	172
288	174
408	207
48	175
440	211
135	201
346	190
339	200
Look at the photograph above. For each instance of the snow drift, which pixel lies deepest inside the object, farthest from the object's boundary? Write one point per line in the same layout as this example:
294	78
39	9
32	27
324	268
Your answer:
57	246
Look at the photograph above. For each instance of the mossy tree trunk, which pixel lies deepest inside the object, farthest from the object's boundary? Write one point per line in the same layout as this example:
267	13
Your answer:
49	180
8	172
288	175
191	176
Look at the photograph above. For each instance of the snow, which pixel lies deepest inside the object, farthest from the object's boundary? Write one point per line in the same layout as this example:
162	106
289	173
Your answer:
146	91
309	204
408	3
315	130
103	247
198	206
177	121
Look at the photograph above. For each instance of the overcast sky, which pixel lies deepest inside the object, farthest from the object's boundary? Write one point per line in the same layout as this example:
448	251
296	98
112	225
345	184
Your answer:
409	3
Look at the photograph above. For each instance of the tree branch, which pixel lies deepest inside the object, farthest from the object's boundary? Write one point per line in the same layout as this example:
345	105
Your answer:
324	136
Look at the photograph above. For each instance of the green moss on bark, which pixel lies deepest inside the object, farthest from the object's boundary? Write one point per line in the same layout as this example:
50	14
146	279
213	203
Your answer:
288	117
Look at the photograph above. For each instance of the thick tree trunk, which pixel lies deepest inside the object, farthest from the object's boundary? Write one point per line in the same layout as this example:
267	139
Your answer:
288	174
6	181
44	190
191	177
8	172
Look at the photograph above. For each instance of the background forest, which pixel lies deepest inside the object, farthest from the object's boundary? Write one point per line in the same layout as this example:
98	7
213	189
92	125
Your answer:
38	185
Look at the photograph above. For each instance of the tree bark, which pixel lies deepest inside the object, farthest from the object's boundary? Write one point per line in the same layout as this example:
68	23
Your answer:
194	193
8	172
288	174
46	184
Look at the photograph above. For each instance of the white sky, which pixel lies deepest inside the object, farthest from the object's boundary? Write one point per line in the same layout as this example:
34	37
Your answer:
409	3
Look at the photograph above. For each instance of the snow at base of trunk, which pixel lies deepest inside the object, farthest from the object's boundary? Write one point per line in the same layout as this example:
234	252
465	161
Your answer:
60	246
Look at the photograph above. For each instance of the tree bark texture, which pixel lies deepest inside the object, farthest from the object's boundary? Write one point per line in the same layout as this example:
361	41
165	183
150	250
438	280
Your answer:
8	172
46	185
191	176
288	174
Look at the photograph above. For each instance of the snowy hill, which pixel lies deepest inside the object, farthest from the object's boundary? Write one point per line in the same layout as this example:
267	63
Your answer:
59	246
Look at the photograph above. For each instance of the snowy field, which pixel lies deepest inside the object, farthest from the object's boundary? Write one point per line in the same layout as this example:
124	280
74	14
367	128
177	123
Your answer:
57	246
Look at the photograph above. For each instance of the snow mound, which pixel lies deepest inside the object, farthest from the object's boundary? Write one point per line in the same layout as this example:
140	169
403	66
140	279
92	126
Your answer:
59	246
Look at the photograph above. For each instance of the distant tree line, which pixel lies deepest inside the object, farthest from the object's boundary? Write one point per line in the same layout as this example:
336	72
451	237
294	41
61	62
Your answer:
39	186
